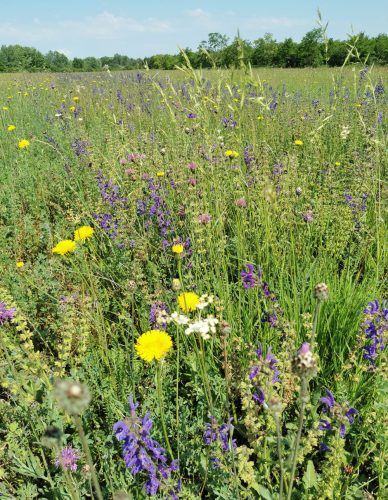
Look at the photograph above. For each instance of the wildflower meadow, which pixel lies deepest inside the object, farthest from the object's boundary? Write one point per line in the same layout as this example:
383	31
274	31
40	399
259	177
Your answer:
193	284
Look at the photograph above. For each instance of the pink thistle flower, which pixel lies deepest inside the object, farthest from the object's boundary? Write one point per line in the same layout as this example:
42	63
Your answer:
204	218
67	458
241	202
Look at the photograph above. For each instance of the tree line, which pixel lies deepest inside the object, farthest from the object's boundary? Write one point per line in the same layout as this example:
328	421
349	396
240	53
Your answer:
315	49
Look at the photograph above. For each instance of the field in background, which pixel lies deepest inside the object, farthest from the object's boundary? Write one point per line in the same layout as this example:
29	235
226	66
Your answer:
283	170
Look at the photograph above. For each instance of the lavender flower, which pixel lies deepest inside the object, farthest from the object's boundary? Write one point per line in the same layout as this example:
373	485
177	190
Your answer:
67	458
141	453
337	415
157	316
268	363
6	314
229	122
249	278
214	432
80	147
110	193
375	328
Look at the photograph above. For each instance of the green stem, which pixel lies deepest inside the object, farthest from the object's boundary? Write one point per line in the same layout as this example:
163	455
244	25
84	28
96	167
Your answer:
279	445
68	480
161	408
85	446
315	324
303	402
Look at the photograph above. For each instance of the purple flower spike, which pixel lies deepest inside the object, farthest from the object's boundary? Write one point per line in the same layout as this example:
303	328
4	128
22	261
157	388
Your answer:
328	400
259	396
350	414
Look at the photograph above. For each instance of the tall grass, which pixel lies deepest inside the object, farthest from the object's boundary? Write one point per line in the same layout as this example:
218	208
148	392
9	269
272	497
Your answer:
312	212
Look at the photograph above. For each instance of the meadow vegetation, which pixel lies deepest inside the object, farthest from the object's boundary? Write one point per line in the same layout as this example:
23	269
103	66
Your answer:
193	284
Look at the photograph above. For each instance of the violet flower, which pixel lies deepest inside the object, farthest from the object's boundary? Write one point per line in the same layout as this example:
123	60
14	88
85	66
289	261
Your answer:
141	453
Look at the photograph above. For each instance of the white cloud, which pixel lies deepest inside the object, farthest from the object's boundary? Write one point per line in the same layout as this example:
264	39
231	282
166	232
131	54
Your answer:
198	13
108	25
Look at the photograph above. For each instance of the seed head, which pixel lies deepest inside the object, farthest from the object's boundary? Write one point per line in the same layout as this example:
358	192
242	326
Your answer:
72	397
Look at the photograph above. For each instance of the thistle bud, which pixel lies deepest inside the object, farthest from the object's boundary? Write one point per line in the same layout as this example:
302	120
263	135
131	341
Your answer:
176	285
131	285
304	363
321	292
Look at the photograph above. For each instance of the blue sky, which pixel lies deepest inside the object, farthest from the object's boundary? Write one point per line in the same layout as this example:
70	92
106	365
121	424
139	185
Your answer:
140	28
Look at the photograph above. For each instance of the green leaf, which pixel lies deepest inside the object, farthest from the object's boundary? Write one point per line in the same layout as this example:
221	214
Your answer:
310	477
263	492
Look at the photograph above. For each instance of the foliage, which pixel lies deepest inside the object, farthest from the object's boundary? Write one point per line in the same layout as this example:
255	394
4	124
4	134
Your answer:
218	200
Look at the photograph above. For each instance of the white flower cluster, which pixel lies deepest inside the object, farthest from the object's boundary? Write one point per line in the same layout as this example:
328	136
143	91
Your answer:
345	132
203	326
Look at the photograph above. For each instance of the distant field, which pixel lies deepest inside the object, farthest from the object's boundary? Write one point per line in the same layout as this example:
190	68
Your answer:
205	208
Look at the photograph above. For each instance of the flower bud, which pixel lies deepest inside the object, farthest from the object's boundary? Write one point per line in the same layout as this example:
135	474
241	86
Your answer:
321	292
304	363
176	285
298	191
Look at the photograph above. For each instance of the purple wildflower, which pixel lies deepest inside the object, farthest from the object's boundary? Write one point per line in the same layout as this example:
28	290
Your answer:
259	396
222	434
308	216
141	453
249	278
6	314
335	414
67	458
375	328
157	316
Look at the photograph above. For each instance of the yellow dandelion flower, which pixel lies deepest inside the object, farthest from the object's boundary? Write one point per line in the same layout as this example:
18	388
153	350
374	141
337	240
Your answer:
83	233
5	108
160	173
75	98
19	264
23	144
154	344
10	128
64	247
260	117
298	142
230	153
178	248
188	301
72	108
337	163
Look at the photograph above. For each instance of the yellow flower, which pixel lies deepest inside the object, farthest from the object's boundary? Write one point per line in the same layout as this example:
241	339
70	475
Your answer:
178	248
160	173
230	153
5	108
188	301
23	144
260	117
72	108
154	344
75	98
298	142
337	163
19	264
64	247
10	128
83	233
